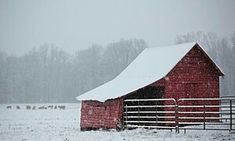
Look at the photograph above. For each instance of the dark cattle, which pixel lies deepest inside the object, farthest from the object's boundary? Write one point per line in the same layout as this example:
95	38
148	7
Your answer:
50	107
61	107
9	107
18	107
42	107
28	107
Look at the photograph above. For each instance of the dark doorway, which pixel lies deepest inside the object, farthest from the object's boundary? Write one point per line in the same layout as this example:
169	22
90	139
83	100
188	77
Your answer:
148	92
145	112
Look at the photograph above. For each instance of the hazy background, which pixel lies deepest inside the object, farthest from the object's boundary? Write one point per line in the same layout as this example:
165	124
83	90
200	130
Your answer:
55	50
76	24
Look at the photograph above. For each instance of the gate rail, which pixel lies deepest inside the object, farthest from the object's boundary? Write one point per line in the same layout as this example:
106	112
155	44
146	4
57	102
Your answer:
150	113
182	114
206	113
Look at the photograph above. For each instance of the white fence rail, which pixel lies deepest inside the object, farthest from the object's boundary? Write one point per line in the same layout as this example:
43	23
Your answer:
182	114
150	113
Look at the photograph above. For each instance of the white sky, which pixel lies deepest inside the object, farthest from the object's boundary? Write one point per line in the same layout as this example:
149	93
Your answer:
76	24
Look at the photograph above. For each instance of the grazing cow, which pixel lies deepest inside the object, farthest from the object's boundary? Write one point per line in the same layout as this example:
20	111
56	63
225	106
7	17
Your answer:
50	107
42	107
28	107
9	107
61	107
34	108
17	107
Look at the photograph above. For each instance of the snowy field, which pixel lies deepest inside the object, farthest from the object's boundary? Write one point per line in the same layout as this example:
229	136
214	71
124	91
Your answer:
17	123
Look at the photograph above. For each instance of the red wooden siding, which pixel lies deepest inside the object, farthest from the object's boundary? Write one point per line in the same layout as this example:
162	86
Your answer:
95	114
195	72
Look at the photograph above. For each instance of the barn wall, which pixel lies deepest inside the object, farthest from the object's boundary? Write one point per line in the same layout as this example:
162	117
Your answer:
194	71
106	115
193	77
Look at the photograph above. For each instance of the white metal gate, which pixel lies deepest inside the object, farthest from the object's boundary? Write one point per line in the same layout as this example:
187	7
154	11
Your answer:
182	114
150	113
206	113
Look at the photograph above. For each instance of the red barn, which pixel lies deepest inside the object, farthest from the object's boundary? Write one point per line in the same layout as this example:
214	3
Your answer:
180	71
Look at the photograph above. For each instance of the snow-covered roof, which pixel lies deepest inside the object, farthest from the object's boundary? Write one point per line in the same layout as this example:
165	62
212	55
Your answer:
151	65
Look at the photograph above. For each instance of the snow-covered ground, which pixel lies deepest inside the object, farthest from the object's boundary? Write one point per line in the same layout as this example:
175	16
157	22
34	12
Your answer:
63	125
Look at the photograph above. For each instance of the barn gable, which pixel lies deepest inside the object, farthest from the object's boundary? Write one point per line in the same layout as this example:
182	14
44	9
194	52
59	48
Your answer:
148	67
195	57
196	74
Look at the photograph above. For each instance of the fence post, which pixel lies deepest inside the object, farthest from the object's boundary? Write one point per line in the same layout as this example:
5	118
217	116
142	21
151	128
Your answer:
126	114
204	117
231	116
139	112
176	119
156	114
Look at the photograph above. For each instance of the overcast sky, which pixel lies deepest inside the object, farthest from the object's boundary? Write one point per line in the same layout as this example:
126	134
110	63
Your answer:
77	24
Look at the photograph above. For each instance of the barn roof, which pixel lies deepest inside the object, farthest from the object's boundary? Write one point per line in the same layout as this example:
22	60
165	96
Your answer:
151	65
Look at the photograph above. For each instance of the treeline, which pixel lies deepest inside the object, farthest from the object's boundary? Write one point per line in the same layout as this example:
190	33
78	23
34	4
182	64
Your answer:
49	74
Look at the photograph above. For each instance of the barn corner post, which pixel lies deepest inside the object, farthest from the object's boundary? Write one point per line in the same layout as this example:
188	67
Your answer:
82	116
231	115
122	115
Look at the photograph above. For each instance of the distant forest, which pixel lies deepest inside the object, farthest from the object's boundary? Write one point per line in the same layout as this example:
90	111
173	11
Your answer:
49	74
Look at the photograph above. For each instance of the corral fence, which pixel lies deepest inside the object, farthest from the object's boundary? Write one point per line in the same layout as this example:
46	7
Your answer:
182	114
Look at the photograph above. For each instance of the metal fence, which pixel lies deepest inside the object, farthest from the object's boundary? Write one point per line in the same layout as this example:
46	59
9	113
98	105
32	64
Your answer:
182	114
150	113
